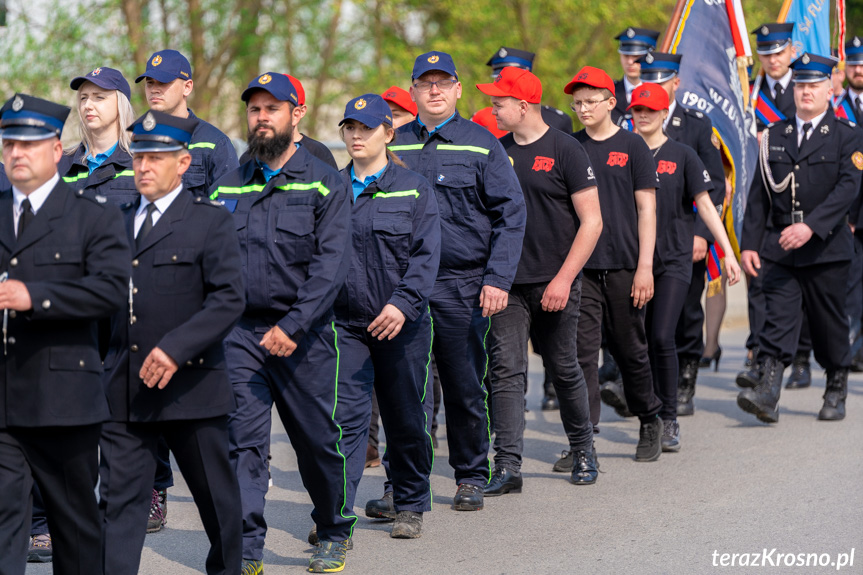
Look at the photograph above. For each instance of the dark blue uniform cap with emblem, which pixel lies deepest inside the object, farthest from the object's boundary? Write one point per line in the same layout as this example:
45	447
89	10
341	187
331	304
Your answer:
433	62
637	41
27	119
659	67
810	68
369	109
165	66
105	78
278	85
774	37
854	51
159	132
506	56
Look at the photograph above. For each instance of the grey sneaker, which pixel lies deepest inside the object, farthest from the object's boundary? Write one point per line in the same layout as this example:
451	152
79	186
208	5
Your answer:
157	518
40	550
670	436
564	464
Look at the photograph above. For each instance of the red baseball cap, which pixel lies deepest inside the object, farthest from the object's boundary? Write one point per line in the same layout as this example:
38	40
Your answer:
400	98
487	120
514	83
649	95
590	77
301	94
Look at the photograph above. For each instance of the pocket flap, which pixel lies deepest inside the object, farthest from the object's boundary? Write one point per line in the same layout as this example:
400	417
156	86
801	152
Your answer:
168	256
46	255
296	223
396	227
74	359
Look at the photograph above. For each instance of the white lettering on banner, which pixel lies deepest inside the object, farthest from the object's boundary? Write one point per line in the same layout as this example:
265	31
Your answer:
693	100
714	2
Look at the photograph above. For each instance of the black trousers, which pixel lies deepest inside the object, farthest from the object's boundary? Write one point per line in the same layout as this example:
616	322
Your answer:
606	301
820	291
128	462
690	325
63	461
663	313
755	305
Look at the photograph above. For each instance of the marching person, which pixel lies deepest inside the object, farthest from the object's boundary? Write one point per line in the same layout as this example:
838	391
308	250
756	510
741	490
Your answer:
682	180
633	44
563	226
165	369
382	312
482	224
65	261
796	237
292	215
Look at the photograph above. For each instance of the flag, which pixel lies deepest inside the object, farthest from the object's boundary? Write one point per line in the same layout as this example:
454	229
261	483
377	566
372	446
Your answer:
811	26
709	36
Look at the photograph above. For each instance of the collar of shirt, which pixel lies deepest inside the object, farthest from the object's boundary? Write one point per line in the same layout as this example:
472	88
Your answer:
438	127
629	88
853	95
814	121
671	108
267	170
784	81
37	197
360	185
94	162
162	203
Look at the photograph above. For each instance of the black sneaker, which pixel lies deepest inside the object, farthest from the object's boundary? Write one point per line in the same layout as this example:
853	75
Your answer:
40	550
383	508
649	440
564	464
408	525
468	497
611	393
670	436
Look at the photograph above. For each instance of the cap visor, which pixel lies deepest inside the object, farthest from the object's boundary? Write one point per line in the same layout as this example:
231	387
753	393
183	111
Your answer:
632	50
657	76
27	133
772	48
157	75
648	105
153	146
494	90
799	78
366	119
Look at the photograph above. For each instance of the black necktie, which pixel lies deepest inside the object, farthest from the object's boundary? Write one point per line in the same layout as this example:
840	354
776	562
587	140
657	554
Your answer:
805	131
146	226
859	109
26	216
779	91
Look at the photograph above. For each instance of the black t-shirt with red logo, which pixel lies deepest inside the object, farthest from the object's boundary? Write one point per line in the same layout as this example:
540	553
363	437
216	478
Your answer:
623	164
549	170
682	176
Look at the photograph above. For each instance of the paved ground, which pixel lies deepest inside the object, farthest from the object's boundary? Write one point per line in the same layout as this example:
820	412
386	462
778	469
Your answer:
737	486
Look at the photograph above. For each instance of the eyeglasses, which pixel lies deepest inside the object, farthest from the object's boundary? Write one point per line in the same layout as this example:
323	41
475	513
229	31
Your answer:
589	105
442	85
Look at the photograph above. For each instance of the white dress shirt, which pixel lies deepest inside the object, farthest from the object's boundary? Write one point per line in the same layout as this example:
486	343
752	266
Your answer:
162	204
37	197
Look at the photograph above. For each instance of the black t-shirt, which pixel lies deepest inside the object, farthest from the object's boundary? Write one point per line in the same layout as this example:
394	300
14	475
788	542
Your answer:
682	176
623	163
549	170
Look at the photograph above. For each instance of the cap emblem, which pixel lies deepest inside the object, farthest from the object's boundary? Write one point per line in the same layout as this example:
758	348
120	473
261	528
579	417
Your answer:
149	122
96	72
156	60
765	30
649	58
360	104
805	59
265	79
498	78
582	76
390	95
433	59
825	129
17	104
502	52
644	94
630	33
856	42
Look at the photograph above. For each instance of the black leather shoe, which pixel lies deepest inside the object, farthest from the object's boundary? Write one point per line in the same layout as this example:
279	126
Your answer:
686	385
408	525
503	481
763	400
467	498
382	508
750	377
834	396
801	372
611	393
585	470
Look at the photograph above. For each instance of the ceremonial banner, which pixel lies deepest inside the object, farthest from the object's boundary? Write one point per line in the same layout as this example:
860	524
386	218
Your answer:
811	26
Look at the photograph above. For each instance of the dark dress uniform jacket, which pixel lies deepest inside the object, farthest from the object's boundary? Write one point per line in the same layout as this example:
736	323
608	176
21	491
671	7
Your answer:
74	259
695	130
114	179
187	295
785	103
828	174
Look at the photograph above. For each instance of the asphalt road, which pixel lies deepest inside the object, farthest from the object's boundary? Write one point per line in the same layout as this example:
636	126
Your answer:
738	486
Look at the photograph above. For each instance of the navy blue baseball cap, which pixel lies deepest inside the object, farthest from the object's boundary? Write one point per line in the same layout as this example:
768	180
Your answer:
637	41
279	85
854	51
433	61
659	67
159	132
369	109
106	78
773	38
811	68
511	57
165	66
30	119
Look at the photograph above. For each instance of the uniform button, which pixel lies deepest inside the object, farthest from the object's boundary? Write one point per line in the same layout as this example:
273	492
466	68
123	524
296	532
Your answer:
13	262
80	192
11	340
134	263
134	291
189	363
46	304
81	363
134	348
797	167
201	361
796	204
133	319
173	258
57	256
13	314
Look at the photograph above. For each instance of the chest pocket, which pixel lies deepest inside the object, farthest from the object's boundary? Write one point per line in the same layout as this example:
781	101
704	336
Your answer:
295	235
457	186
822	167
392	237
174	270
195	178
65	260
